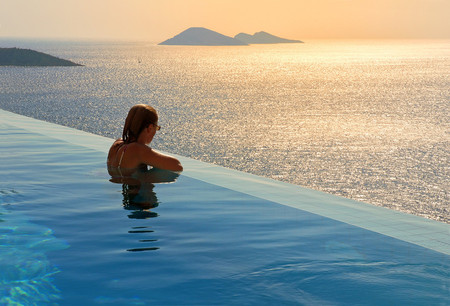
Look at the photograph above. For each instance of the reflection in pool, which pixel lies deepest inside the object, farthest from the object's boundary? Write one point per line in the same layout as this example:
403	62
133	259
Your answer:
139	196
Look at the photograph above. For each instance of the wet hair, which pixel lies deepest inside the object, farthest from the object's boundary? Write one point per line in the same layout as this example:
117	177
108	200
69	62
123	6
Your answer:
139	117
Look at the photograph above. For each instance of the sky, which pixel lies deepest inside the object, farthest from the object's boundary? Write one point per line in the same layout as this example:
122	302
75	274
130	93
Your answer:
157	20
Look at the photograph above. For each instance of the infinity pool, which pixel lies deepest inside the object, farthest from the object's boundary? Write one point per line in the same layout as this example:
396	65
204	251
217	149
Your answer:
209	236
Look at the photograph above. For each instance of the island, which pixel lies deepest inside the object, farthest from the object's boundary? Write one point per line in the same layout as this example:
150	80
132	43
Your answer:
197	36
264	38
27	57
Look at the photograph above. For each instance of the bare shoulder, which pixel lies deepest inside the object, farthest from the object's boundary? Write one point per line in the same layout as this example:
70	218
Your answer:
118	142
113	150
115	146
145	153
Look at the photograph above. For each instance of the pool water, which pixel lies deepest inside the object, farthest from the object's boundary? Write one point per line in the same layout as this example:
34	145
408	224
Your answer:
70	236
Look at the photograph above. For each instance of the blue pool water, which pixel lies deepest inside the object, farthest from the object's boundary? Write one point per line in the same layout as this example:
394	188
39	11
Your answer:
69	236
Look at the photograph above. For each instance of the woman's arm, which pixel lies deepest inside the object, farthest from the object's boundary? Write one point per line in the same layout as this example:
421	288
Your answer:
158	160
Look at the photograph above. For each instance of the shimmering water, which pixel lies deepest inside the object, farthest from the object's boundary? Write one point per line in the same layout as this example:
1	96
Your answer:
367	120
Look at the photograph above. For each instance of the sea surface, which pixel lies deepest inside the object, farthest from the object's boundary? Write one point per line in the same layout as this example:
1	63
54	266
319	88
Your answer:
363	119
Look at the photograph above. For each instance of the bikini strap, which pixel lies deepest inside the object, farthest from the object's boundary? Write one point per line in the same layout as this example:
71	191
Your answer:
123	152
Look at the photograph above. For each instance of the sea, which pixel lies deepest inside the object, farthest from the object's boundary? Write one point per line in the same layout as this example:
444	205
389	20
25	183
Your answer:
362	119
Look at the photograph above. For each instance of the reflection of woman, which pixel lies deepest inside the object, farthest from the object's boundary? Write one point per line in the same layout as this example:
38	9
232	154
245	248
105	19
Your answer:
137	188
132	150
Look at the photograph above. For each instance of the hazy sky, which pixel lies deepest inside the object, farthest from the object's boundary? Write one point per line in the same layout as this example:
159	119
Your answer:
158	20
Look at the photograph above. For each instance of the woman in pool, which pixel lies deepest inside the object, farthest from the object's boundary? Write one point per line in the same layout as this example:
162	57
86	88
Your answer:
132	150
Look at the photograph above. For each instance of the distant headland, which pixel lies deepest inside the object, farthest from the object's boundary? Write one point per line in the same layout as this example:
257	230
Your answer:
198	36
27	57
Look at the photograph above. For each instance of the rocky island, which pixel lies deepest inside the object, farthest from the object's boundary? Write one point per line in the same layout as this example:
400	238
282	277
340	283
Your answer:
205	37
202	37
27	57
264	38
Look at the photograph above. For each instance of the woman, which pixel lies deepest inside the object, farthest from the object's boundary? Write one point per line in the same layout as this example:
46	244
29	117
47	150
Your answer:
132	151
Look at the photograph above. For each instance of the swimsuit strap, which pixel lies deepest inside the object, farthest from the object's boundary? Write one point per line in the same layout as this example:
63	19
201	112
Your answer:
123	152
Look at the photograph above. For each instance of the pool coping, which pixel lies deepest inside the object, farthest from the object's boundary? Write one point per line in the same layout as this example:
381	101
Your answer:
424	232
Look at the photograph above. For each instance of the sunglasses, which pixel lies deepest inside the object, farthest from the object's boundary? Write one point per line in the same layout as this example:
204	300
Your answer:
158	127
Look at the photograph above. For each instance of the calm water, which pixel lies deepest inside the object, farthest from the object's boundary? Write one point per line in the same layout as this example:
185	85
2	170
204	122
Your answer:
367	120
72	237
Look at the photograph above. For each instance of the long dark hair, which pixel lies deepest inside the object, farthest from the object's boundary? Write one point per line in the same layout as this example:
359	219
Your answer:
139	117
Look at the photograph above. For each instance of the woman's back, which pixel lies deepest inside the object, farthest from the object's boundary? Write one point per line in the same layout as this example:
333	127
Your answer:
135	155
122	155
